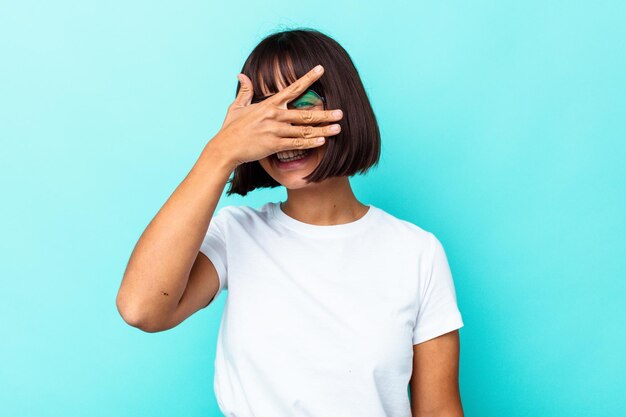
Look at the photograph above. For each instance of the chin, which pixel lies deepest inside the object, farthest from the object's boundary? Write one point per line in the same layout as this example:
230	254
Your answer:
295	184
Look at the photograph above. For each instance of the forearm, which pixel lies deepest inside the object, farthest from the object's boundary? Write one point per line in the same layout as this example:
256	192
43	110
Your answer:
159	266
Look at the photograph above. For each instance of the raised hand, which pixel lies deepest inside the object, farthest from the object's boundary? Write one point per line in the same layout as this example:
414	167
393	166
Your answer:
253	131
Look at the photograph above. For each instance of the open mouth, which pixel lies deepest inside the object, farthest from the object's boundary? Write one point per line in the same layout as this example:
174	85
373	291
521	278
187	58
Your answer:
292	161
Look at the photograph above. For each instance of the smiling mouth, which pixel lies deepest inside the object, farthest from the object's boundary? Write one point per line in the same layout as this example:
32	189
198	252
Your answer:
292	162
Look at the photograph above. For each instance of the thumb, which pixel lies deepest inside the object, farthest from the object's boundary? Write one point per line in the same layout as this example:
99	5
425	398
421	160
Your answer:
246	91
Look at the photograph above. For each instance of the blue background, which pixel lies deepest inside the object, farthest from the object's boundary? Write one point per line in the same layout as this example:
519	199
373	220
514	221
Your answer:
503	127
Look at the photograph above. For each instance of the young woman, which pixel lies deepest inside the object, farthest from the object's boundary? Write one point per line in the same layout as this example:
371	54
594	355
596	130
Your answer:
334	307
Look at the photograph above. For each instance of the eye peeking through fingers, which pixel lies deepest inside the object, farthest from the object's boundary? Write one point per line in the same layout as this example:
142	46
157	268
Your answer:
310	99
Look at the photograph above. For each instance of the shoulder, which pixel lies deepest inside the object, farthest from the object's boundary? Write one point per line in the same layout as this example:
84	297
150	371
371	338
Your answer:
405	230
244	215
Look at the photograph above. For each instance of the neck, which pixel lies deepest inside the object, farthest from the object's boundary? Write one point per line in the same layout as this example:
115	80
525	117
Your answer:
330	202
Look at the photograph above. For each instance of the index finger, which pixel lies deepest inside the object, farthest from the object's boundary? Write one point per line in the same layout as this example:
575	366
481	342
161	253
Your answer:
296	88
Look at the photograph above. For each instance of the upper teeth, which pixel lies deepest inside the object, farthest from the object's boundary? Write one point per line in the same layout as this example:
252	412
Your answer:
289	154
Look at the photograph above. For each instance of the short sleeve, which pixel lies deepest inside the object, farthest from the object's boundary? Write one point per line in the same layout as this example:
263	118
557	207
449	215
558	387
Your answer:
438	312
214	247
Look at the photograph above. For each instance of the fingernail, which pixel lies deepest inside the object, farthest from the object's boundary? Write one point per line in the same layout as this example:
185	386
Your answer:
334	128
318	68
337	113
321	140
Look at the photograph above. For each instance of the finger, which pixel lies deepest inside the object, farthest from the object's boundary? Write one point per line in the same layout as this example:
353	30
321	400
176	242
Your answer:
306	131
296	88
300	143
308	116
246	91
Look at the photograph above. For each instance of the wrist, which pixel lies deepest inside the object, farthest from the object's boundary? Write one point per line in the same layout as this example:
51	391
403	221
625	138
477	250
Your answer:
217	158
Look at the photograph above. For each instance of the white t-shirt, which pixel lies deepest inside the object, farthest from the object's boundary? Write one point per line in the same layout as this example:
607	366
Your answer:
321	321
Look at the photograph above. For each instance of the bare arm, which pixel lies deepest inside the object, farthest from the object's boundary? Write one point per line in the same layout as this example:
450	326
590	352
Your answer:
434	383
167	279
159	268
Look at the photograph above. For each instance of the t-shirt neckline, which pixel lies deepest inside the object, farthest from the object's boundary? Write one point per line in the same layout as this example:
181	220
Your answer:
333	230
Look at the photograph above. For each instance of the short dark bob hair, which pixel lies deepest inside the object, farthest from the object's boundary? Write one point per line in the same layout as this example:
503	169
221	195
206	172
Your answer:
357	147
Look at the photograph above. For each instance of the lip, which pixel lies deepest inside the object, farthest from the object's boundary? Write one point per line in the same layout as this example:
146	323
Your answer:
292	164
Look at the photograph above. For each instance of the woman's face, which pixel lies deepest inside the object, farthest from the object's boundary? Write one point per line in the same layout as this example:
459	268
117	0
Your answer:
290	173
